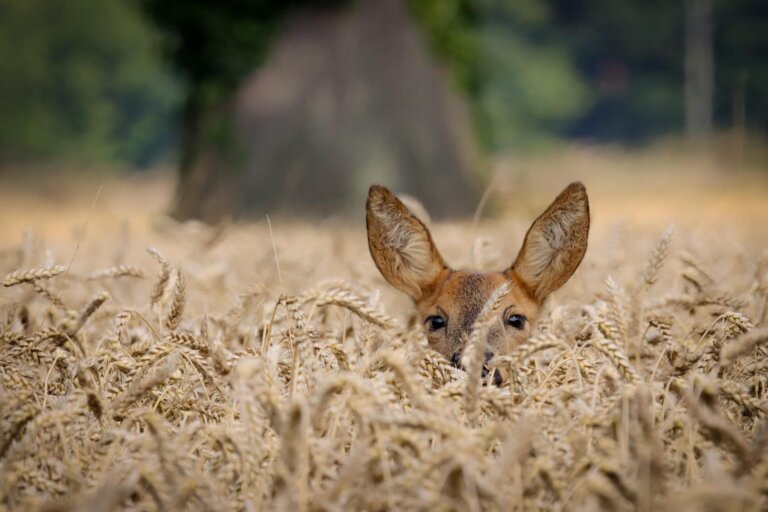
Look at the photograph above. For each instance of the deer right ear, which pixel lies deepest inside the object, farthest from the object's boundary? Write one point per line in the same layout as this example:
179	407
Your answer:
400	244
555	244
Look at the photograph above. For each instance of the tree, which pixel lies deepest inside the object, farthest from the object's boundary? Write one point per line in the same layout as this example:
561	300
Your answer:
529	88
699	69
228	168
81	80
630	56
214	47
654	67
741	82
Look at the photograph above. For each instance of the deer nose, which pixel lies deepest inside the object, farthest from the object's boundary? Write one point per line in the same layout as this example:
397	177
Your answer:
456	361
496	374
488	357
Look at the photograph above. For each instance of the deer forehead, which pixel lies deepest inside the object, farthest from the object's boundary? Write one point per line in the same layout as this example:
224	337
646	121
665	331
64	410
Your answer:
462	295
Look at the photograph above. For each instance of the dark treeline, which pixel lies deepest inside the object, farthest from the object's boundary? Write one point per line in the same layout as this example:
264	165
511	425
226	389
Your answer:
84	78
137	81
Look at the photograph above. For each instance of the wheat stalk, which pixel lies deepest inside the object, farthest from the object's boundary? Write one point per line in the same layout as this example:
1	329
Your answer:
742	345
658	257
161	372
270	404
473	355
33	274
117	271
49	294
179	301
617	356
158	289
355	304
94	304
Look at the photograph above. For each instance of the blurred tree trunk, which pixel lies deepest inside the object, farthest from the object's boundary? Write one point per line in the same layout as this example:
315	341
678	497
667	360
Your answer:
207	143
346	98
699	69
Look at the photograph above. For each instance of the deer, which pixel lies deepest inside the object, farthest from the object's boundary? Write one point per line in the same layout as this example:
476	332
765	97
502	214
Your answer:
448	301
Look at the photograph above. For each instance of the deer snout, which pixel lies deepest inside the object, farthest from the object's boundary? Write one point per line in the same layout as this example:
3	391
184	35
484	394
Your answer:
456	362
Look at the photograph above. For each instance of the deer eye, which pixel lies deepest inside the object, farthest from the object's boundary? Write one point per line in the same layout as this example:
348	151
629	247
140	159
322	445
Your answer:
516	321
435	322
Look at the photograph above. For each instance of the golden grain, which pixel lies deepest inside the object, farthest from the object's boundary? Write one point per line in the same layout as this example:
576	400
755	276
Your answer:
33	274
179	301
658	256
117	271
158	289
641	392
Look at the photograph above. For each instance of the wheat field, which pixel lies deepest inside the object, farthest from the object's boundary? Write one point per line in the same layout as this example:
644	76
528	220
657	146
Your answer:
176	366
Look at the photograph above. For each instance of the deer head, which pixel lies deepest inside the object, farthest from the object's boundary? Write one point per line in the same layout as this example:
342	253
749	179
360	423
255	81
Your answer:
448	301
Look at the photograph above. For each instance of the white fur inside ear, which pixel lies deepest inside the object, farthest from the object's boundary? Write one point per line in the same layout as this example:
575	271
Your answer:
547	241
553	248
410	247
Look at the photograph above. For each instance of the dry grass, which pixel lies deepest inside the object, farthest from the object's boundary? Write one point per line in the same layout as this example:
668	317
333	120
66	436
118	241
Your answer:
196	377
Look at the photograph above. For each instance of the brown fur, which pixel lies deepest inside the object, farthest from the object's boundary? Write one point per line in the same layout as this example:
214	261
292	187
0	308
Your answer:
405	254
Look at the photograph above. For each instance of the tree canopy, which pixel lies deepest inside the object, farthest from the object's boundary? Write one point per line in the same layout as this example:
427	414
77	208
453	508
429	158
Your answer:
85	78
81	79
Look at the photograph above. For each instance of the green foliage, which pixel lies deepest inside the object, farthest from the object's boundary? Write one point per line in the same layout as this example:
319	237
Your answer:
215	46
81	79
631	57
531	93
531	88
450	28
742	76
607	70
521	80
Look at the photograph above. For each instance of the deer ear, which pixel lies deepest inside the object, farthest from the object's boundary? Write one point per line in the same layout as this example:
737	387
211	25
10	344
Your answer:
555	243
400	244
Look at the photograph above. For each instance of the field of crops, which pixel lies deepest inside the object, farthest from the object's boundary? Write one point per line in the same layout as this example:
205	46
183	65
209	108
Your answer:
166	366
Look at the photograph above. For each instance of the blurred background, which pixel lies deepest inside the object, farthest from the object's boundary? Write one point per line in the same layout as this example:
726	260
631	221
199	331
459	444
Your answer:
239	108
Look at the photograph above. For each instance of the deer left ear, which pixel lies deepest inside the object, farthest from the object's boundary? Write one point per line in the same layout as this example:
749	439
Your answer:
555	243
400	244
